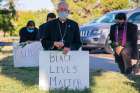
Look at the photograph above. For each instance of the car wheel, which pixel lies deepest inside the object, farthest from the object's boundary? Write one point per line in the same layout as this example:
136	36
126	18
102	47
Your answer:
108	48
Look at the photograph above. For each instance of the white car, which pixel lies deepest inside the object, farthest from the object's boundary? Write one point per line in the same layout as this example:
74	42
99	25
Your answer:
96	34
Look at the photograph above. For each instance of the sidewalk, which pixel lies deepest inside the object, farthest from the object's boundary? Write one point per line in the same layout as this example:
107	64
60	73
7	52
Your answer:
6	43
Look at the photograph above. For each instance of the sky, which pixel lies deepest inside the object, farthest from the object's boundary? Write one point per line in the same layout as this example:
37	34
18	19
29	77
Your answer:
33	4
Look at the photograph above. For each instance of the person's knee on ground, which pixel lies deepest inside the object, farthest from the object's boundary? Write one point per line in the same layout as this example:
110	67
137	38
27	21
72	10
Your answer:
127	60
119	61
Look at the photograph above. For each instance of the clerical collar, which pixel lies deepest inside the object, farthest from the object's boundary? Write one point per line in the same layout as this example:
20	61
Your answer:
60	30
62	21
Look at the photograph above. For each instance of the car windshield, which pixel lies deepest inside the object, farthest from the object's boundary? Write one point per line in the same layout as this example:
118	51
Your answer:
93	21
107	18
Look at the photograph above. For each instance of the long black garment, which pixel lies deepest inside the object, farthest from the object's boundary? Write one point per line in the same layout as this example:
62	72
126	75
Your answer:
56	31
131	38
130	50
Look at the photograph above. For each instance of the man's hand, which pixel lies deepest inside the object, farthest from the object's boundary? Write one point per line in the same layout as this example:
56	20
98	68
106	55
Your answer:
66	50
118	49
58	44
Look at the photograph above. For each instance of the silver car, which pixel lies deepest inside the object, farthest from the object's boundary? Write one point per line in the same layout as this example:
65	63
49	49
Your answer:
95	34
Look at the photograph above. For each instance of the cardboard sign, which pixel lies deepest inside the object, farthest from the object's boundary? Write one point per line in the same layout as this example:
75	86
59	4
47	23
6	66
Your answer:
59	71
27	55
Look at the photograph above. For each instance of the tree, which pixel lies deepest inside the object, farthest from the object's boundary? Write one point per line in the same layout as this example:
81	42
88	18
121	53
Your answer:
85	10
7	16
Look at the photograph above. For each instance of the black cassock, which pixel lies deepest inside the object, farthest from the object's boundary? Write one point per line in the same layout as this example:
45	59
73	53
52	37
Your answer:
67	32
130	50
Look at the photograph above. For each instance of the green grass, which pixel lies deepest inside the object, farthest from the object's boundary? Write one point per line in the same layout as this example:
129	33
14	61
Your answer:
25	80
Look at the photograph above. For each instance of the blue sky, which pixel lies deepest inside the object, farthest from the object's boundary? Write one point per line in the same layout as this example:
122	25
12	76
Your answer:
32	4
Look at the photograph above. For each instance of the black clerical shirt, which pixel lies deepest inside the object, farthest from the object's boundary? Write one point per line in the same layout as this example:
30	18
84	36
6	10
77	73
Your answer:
68	32
131	38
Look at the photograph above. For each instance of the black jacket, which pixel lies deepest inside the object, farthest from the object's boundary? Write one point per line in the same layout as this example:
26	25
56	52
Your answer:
131	38
41	30
27	36
52	33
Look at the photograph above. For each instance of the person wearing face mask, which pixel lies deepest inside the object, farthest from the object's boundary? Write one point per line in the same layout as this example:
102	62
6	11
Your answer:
28	33
123	36
61	33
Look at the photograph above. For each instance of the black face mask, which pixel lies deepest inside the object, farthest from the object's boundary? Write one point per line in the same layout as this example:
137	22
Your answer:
120	24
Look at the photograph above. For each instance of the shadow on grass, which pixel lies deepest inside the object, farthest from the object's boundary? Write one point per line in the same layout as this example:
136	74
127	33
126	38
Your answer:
87	90
29	76
135	83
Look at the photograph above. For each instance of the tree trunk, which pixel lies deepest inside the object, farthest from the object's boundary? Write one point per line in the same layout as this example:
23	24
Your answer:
4	34
11	33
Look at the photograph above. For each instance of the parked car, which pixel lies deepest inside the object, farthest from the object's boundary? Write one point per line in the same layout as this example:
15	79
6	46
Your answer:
96	34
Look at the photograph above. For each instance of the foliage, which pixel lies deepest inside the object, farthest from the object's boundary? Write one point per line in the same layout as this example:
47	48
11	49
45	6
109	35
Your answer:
7	16
24	16
108	5
81	11
84	10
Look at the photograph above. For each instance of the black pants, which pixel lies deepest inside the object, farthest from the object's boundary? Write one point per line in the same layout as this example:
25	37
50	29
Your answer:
124	61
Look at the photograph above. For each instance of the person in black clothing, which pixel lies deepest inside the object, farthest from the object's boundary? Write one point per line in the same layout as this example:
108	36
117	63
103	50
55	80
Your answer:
61	33
50	16
123	35
28	33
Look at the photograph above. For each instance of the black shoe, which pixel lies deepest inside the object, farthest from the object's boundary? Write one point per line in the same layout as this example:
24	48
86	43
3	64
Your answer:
129	70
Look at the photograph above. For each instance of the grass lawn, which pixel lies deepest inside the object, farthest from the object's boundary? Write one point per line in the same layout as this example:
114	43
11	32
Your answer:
25	80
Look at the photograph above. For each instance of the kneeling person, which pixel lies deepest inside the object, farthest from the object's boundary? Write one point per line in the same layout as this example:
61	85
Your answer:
124	43
61	33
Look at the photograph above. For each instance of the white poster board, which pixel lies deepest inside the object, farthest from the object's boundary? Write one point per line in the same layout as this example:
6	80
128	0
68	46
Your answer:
59	71
28	55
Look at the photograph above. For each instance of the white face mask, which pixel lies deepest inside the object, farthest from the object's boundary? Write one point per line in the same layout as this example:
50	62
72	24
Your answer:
63	15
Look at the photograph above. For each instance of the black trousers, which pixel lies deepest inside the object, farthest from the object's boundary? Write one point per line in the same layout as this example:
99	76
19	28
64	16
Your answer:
124	61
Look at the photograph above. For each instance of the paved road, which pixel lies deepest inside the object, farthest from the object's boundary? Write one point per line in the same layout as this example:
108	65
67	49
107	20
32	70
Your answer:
6	43
99	61
103	61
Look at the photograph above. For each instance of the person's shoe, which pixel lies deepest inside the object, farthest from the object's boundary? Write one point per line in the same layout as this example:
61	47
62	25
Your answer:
129	70
136	70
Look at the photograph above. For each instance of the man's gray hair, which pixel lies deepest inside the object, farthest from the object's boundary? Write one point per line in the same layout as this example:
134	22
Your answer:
61	2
